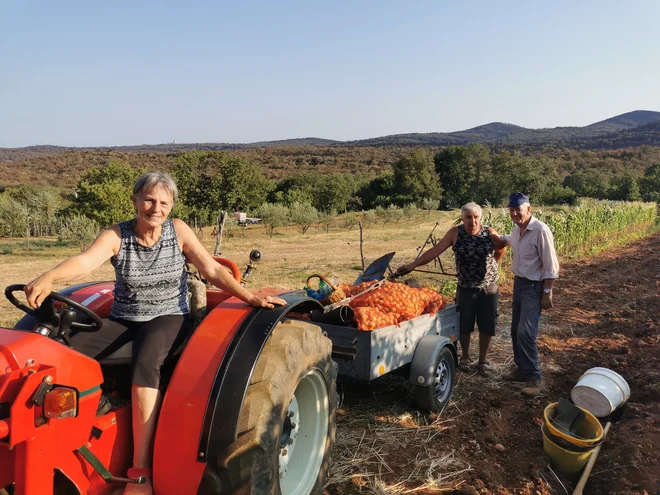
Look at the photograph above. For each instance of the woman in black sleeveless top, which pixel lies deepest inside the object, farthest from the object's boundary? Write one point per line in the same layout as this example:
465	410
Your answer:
478	290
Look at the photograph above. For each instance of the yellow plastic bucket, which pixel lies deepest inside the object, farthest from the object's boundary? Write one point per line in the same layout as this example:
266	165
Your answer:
588	433
566	461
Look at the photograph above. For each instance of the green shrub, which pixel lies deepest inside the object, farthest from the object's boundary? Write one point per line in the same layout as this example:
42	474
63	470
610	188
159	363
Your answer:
273	215
79	230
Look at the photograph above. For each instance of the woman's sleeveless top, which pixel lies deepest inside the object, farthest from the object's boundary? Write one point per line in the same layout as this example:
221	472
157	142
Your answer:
475	259
150	281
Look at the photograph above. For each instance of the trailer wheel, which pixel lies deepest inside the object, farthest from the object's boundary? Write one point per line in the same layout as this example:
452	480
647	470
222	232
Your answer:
435	397
286	428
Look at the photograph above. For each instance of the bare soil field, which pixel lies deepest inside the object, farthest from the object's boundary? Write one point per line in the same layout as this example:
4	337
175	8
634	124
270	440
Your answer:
607	313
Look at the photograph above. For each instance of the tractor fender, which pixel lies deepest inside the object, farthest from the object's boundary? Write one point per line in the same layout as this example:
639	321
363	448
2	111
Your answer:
233	376
422	366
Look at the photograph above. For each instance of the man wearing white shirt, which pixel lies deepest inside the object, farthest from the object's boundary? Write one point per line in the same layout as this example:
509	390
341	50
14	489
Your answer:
536	268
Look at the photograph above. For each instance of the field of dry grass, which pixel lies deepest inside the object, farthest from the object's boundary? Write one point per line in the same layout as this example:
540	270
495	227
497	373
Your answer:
288	257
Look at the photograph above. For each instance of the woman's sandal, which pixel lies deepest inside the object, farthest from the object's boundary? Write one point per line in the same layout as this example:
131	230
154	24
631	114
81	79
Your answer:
485	368
464	364
137	473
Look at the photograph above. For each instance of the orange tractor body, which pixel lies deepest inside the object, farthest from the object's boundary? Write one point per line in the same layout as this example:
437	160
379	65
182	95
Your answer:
53	441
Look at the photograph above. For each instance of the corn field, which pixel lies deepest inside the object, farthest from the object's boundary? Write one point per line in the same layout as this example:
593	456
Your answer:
582	228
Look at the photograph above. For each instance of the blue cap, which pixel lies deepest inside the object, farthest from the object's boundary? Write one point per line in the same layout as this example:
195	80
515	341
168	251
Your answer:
516	199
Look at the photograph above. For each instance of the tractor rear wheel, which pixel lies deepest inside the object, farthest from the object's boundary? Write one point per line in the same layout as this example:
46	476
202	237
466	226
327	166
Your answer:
286	428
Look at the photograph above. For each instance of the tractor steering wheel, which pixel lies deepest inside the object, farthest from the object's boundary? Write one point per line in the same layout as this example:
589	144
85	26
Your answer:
46	314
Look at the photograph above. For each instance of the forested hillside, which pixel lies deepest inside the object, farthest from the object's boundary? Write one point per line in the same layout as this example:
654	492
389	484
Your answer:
48	189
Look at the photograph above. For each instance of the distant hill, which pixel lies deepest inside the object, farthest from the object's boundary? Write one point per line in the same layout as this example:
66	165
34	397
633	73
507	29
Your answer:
643	135
625	121
500	133
629	129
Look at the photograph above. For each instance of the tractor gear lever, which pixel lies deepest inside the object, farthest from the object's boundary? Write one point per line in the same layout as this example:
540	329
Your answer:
67	317
255	256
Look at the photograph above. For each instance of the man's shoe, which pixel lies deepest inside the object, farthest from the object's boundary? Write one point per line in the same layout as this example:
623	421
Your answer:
533	388
512	376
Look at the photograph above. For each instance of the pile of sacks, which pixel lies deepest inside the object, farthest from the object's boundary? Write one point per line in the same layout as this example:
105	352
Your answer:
391	304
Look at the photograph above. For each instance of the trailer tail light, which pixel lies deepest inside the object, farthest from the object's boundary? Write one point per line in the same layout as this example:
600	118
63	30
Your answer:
4	429
60	403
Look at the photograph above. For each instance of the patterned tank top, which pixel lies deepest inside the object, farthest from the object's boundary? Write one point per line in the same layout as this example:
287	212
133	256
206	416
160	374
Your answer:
475	259
150	281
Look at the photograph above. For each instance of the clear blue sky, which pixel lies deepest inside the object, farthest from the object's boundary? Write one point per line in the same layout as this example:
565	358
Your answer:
88	73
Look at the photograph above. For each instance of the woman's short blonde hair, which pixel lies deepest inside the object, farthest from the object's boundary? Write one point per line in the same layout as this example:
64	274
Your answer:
156	179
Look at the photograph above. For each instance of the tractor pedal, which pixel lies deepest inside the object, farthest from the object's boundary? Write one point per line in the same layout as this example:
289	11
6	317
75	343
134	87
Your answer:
107	476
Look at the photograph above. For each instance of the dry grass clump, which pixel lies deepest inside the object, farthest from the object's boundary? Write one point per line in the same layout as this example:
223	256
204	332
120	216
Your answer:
377	459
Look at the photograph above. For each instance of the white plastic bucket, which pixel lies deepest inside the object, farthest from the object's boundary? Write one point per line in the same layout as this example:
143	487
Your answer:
600	391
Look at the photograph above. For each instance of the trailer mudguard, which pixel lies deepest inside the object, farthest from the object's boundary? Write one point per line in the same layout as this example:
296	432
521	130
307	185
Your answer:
422	366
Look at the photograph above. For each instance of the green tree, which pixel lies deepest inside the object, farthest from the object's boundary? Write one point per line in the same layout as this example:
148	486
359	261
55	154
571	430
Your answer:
41	203
243	184
377	192
589	183
104	194
14	217
560	195
350	219
415	179
80	230
212	181
327	218
334	191
479	162
273	215
626	188
512	172
304	215
299	188
456	174
409	210
368	218
649	184
429	205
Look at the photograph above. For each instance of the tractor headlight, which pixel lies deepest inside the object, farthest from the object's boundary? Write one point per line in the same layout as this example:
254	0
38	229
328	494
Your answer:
61	402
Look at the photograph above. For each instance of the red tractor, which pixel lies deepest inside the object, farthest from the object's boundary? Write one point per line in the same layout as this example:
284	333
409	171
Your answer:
250	403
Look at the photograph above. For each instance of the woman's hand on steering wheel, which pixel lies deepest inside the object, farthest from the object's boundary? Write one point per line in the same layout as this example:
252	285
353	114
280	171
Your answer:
47	313
38	290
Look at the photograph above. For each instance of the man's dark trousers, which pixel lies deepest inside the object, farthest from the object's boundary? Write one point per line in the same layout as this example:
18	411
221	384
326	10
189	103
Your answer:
527	295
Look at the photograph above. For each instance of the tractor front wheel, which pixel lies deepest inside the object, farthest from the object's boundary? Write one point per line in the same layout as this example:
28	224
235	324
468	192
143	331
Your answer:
286	427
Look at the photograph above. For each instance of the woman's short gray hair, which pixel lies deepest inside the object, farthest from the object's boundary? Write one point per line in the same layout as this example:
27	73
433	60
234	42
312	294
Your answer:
156	179
471	207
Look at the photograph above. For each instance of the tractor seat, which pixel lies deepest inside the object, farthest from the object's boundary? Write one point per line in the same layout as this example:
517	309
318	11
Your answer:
197	300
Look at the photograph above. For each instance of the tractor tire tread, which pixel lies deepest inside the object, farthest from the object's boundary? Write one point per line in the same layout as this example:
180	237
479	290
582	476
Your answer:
294	348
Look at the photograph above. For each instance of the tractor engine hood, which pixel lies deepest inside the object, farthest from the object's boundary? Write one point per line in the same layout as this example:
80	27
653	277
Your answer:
22	351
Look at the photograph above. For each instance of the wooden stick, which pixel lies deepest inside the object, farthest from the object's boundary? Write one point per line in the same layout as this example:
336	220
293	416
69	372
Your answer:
220	228
421	250
590	464
361	248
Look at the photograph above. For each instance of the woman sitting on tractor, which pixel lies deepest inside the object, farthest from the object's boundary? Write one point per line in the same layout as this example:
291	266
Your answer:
150	305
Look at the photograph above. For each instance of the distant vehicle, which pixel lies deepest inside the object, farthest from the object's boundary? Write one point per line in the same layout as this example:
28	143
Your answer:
244	220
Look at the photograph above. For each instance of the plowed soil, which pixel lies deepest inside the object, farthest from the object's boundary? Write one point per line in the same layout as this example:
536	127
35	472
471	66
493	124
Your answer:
607	313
